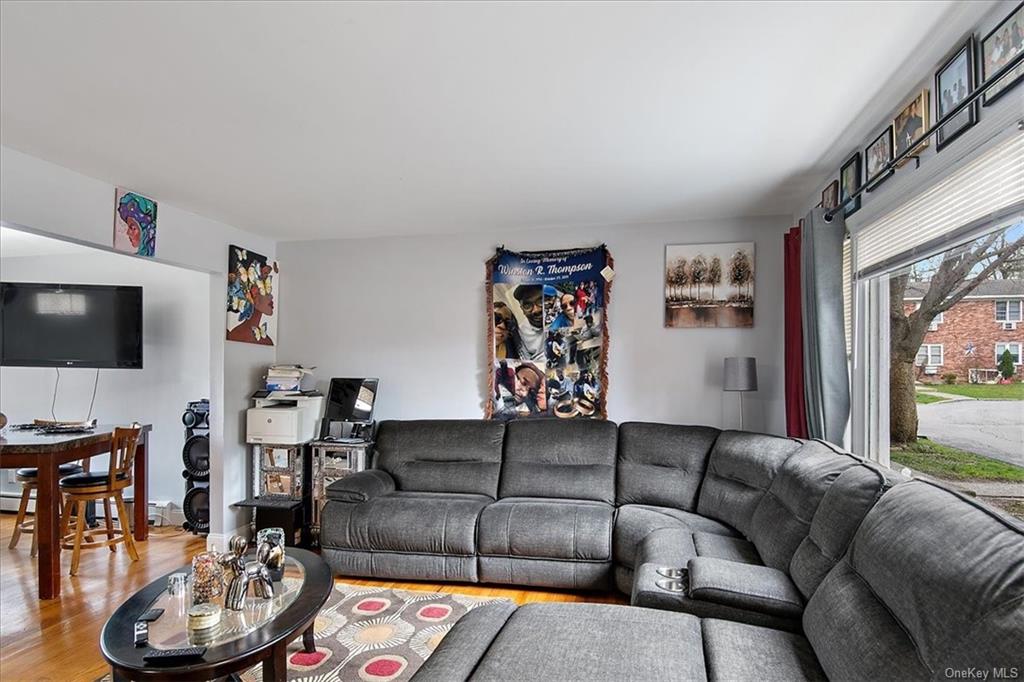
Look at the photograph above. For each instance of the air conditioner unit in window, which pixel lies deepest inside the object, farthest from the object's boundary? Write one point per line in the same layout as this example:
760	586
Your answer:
1009	326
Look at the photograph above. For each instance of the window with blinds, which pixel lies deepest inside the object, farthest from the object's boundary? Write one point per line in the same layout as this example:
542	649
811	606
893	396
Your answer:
848	293
991	183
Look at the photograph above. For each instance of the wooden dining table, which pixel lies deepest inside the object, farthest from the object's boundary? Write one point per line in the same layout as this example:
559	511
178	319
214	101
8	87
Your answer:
47	453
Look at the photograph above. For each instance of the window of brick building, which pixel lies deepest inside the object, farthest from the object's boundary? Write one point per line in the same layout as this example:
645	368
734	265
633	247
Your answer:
1014	349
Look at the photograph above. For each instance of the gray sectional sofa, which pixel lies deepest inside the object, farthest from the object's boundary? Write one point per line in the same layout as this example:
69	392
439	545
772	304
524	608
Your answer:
802	561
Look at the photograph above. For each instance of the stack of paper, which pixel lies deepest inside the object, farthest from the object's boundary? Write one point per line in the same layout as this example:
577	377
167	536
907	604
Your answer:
287	377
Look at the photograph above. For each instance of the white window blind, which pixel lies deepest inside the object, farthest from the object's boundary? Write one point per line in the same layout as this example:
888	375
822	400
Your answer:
992	182
848	294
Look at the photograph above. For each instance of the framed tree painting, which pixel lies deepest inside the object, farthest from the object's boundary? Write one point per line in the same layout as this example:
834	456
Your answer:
709	285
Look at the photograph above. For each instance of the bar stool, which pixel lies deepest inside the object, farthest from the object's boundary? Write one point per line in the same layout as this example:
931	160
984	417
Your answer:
81	488
28	477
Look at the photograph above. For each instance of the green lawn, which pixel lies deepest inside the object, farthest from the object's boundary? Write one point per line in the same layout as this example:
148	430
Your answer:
983	391
925	398
943	461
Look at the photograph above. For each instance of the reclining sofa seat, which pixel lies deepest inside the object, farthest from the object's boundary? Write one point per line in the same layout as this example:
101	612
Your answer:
932	584
552	523
797	509
414	515
530	502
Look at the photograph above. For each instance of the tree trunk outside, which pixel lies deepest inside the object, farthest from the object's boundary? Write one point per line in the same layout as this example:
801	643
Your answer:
902	403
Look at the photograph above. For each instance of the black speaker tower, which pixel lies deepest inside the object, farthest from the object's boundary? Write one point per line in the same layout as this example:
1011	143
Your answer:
196	456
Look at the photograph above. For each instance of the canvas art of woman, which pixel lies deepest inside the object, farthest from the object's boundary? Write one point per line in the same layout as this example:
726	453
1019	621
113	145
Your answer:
135	224
251	297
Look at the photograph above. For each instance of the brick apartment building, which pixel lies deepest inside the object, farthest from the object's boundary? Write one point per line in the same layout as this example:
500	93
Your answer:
974	333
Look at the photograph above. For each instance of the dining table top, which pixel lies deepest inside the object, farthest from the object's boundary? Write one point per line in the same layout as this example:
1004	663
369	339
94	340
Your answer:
30	441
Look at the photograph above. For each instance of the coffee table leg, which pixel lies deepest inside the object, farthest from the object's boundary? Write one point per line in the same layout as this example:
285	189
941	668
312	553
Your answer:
275	666
307	641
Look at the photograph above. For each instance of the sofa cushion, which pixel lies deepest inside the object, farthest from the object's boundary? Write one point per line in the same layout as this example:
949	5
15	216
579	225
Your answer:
441	455
782	518
575	530
736	651
560	458
662	464
839	514
741	468
592	642
754	588
725	547
633	522
931	582
425	523
361	486
466	643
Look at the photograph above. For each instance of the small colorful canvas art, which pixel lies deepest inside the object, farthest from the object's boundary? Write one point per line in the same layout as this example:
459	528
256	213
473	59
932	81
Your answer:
134	223
252	282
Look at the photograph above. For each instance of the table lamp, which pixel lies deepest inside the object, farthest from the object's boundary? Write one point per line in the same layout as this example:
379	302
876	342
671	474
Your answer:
740	375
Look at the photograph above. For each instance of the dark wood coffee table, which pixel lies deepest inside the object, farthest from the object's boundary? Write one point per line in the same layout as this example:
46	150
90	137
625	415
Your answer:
261	632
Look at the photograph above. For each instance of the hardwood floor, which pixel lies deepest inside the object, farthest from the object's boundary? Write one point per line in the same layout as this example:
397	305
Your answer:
59	639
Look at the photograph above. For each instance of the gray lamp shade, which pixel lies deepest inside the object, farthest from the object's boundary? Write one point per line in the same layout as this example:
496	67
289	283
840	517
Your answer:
740	374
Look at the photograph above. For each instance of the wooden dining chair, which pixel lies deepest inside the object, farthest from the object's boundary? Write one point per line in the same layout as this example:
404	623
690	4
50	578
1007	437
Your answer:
108	486
28	477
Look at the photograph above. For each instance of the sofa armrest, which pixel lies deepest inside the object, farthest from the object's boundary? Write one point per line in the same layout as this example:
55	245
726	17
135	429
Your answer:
464	646
666	547
744	586
361	486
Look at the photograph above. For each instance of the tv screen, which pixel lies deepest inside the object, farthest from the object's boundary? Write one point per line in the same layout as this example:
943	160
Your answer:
70	325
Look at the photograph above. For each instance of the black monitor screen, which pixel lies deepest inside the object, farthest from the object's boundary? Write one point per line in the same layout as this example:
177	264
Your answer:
70	325
351	400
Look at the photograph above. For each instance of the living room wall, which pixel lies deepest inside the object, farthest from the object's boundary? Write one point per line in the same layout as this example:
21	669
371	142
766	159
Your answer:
411	311
176	361
62	203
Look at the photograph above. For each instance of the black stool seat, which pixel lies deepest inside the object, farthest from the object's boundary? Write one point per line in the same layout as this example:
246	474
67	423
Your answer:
87	478
28	474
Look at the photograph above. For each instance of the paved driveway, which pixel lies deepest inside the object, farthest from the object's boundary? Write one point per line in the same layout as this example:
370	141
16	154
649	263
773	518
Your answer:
994	428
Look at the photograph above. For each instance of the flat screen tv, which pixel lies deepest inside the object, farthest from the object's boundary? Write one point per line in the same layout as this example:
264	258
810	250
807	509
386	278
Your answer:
70	325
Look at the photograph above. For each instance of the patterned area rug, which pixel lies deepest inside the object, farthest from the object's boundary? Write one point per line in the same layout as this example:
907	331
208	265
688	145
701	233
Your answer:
371	634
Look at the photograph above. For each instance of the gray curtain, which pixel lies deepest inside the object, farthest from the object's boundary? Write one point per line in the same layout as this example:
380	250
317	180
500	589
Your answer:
826	380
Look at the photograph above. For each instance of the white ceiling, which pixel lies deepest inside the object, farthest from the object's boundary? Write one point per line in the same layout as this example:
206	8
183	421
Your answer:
310	120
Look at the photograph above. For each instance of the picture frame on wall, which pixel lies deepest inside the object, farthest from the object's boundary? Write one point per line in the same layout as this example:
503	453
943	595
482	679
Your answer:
849	182
998	49
830	196
954	82
910	122
877	156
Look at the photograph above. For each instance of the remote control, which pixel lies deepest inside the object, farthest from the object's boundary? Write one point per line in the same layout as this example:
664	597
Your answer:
150	615
141	633
173	656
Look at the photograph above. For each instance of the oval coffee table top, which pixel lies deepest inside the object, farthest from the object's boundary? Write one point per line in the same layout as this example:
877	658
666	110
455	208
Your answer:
246	636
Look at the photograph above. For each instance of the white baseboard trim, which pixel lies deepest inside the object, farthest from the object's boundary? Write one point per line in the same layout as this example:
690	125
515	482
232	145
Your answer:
172	516
219	541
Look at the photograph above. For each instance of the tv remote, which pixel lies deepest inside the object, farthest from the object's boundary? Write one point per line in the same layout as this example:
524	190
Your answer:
150	615
141	633
170	657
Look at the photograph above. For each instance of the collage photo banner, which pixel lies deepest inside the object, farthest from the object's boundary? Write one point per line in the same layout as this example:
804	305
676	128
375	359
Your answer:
548	335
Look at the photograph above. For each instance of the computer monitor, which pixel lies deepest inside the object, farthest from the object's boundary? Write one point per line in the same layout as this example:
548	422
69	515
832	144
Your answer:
351	400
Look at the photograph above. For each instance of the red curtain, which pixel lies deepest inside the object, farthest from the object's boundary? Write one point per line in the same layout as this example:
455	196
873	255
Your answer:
796	407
